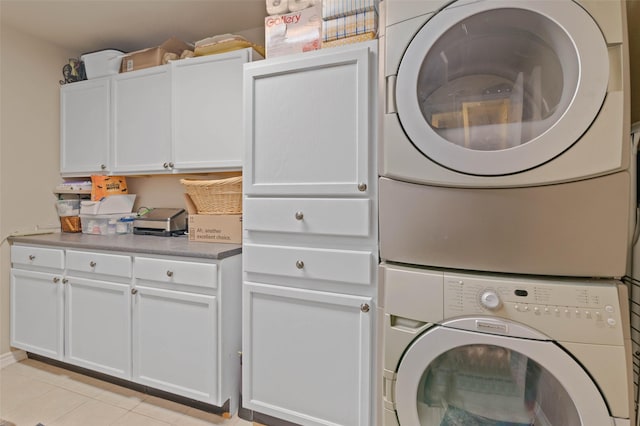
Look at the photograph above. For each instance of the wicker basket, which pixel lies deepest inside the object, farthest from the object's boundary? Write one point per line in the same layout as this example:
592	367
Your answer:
220	196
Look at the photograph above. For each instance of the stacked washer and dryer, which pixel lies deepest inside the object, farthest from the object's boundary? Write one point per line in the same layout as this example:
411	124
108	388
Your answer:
506	211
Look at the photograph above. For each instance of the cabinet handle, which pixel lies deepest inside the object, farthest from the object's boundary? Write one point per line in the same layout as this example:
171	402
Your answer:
64	281
56	280
299	264
165	165
92	264
32	257
364	307
362	187
170	165
299	216
134	291
103	166
169	273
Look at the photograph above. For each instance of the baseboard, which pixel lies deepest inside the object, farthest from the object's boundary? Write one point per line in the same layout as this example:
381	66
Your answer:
11	357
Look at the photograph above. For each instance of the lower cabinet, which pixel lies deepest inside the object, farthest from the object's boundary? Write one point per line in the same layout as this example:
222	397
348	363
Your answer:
167	322
174	342
98	326
307	355
37	312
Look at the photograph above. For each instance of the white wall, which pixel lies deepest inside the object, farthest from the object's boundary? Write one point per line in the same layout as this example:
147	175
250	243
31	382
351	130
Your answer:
30	71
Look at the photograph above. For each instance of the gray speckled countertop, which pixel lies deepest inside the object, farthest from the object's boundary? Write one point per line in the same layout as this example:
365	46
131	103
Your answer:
149	244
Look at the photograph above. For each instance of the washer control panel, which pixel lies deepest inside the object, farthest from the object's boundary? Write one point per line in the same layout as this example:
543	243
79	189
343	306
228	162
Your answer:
569	310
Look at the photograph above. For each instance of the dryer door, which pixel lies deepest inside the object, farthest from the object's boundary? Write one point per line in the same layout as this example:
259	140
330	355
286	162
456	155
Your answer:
498	87
458	377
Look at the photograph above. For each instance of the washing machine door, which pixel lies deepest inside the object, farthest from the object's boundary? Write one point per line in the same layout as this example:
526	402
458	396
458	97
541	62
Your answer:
458	377
498	87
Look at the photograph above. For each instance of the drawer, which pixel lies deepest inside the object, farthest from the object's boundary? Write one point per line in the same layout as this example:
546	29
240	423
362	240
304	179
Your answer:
344	217
99	263
321	264
176	272
37	256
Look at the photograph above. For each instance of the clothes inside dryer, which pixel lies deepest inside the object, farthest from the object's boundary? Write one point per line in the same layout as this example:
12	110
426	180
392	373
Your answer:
497	79
491	385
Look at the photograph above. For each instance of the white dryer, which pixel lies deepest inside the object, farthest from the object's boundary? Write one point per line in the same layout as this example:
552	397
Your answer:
463	349
506	136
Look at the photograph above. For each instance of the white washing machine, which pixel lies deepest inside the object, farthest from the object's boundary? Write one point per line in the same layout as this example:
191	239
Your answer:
480	349
506	136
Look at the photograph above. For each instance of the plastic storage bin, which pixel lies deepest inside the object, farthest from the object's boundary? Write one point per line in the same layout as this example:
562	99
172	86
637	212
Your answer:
107	224
102	63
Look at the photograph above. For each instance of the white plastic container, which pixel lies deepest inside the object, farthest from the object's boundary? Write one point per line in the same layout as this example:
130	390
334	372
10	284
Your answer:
102	63
107	224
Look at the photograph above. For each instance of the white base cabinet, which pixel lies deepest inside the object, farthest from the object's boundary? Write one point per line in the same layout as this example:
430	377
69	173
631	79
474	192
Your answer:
37	312
308	355
97	326
167	322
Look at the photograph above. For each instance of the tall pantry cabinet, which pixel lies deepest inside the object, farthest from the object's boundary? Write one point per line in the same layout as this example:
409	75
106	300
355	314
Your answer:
310	236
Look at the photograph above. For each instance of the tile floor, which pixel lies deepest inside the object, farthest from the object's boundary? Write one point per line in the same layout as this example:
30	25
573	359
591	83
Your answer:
33	392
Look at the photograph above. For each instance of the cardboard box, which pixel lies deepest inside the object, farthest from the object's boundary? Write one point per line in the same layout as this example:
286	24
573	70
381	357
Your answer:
213	228
294	32
152	56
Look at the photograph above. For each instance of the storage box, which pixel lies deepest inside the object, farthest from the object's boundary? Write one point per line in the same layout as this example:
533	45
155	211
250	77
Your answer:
152	56
213	228
68	207
108	224
332	9
294	32
70	224
350	25
102	63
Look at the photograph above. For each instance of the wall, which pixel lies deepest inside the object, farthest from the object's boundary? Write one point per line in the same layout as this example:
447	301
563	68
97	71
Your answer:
633	18
30	71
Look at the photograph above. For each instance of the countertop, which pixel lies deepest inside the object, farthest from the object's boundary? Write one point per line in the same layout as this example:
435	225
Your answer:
149	244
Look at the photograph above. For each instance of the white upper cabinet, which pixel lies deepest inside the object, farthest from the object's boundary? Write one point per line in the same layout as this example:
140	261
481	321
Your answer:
85	127
142	120
207	111
185	116
309	123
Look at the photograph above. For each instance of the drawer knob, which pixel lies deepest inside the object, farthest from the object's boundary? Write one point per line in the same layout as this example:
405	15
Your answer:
169	273
364	307
170	165
299	216
299	264
92	264
64	281
165	165
56	280
103	166
134	291
362	187
32	257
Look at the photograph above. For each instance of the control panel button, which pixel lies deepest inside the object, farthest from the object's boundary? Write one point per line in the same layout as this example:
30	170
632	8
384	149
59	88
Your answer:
489	299
611	322
609	309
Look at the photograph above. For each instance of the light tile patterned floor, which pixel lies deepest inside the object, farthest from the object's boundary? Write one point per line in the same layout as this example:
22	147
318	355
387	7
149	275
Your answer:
33	392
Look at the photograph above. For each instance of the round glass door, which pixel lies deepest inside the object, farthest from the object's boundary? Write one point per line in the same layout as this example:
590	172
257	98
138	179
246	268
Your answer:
456	377
495	88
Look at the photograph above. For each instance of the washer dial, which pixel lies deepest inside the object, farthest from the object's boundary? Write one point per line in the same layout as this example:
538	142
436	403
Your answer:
489	299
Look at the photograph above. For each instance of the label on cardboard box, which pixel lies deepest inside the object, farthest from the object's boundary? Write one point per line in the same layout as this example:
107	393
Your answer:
294	32
215	228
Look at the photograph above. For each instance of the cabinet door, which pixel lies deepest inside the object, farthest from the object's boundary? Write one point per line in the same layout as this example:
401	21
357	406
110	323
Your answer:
207	111
37	312
175	337
85	127
307	355
98	326
309	122
142	114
